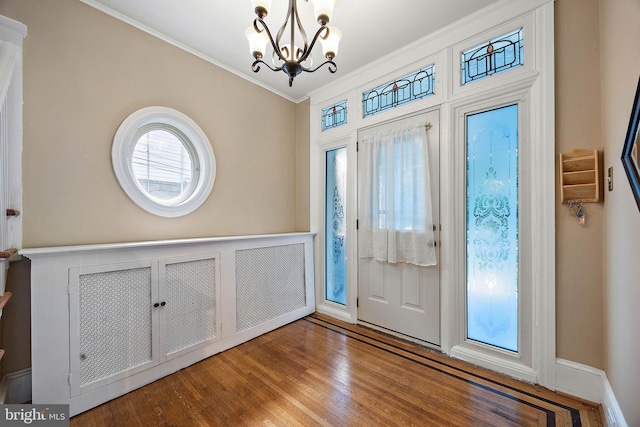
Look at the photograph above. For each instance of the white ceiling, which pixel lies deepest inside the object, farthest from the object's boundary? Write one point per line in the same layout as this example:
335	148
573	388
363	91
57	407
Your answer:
214	30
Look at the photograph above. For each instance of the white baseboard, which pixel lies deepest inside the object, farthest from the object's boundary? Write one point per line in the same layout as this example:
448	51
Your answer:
16	387
612	410
580	380
590	384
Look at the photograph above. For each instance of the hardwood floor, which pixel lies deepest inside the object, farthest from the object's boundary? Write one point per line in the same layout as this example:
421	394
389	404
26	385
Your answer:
320	372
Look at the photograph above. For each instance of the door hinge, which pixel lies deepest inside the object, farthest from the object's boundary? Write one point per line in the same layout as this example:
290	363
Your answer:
69	379
357	224
357	302
357	146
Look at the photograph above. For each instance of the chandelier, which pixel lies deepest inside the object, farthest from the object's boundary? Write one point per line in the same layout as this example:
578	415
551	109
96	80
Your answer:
289	57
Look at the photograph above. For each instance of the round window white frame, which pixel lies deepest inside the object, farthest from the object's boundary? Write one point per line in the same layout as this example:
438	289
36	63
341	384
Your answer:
195	142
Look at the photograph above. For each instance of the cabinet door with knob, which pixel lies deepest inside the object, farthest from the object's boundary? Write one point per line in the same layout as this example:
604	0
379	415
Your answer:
114	326
128	317
189	291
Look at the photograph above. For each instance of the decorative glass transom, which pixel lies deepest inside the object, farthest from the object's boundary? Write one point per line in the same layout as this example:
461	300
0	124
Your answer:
334	115
404	90
495	56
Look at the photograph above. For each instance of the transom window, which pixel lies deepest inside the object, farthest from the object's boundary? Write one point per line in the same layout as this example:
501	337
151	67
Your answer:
404	90
163	161
334	116
495	56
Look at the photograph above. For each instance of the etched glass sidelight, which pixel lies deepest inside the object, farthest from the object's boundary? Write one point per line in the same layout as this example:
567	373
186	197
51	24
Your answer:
492	227
335	226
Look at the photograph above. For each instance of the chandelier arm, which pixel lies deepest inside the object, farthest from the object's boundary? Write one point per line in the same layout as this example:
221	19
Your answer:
274	43
313	42
255	67
302	32
332	67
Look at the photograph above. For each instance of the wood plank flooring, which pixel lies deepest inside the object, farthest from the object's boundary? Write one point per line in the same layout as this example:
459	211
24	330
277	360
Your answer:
321	372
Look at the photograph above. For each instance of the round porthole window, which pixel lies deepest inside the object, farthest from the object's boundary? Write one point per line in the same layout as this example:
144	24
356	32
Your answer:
163	161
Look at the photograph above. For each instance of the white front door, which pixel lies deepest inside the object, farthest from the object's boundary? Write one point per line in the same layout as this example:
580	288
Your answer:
401	297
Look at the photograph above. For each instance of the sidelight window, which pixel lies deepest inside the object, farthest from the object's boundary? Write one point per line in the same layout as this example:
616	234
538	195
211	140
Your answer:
335	225
492	227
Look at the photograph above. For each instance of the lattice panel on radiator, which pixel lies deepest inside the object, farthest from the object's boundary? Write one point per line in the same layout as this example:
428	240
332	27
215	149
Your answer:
115	322
270	282
191	303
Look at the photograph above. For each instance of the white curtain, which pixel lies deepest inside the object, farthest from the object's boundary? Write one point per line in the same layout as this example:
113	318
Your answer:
394	202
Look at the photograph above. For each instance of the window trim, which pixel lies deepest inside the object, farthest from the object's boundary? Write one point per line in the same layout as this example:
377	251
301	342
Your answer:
497	80
196	143
521	363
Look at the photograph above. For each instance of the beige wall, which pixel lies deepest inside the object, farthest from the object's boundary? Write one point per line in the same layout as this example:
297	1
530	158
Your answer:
303	167
620	59
579	313
84	73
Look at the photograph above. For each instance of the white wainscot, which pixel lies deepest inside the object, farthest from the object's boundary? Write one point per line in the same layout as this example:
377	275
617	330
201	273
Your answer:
107	319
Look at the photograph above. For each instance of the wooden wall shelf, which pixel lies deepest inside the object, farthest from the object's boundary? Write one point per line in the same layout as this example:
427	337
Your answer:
580	176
